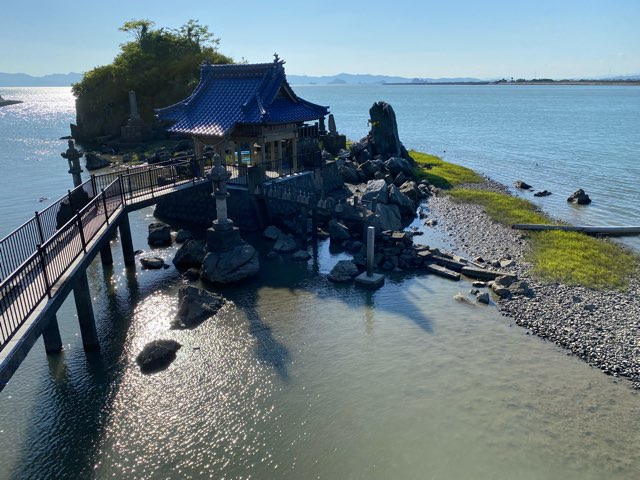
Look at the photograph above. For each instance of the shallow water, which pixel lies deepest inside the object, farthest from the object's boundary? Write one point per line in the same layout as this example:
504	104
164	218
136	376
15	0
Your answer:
300	378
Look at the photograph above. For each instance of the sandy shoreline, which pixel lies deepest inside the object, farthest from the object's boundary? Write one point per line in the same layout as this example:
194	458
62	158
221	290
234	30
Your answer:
601	327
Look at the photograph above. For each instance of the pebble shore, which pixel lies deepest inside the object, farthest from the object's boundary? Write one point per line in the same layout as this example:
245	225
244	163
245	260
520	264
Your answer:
601	327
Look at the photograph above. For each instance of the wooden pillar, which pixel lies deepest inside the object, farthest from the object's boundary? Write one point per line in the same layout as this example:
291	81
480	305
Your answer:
105	254
294	153
126	241
198	148
279	154
84	308
51	336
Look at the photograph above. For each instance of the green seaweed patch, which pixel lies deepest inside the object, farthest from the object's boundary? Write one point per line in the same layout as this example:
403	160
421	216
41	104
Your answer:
576	259
500	207
440	173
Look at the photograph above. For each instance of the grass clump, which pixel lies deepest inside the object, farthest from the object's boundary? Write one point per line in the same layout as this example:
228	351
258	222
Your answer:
500	207
576	259
571	258
440	173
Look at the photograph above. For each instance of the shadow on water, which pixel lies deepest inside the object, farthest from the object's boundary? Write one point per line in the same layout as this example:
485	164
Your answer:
65	430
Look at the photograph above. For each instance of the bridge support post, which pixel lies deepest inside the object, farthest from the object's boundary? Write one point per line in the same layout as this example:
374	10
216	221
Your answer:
84	308
126	241
51	336
105	254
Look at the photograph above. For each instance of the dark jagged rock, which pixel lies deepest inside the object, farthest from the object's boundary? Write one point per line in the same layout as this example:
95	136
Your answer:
271	232
157	355
230	266
190	254
337	231
343	271
522	185
159	235
405	204
183	235
397	165
384	136
152	263
376	190
544	193
195	306
95	161
285	244
579	197
349	175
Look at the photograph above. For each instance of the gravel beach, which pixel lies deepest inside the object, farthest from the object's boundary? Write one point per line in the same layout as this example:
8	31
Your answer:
601	327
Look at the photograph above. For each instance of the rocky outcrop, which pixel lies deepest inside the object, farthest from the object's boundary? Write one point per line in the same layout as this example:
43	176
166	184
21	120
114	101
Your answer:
183	235
195	306
579	197
157	355
230	266
159	235
190	254
384	130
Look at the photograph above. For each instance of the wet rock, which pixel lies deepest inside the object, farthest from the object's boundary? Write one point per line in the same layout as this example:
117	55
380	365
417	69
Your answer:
543	193
159	235
504	280
183	235
285	244
195	306
271	232
190	254
152	263
192	274
579	197
478	284
95	161
343	271
522	185
483	298
387	217
157	355
230	266
501	291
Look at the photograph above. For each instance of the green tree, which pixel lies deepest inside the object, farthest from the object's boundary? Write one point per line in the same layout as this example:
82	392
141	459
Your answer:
159	64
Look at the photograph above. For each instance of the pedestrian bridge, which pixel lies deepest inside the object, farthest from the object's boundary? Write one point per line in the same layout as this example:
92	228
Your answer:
46	258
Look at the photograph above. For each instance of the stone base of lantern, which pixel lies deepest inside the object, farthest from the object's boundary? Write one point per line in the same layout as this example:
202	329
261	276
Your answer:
373	281
222	236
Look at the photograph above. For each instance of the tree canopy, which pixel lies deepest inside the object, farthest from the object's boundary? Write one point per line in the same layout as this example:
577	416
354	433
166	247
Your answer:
159	64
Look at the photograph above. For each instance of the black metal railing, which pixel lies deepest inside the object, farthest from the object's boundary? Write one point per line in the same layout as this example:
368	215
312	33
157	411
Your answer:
35	256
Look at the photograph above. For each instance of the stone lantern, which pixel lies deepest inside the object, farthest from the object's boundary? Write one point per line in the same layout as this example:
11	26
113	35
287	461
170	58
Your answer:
223	235
73	157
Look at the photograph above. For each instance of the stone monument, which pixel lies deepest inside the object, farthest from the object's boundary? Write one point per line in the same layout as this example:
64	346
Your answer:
132	131
333	142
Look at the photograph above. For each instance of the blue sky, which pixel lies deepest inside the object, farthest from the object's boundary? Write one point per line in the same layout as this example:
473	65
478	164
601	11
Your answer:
417	38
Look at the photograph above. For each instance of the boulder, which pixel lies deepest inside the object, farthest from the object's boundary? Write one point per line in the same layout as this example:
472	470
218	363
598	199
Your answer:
196	305
337	231
271	232
504	280
544	193
192	274
397	165
482	298
356	148
410	189
153	263
159	235
400	179
157	355
520	287
285	244
404	203
499	290
230	266
579	197
376	190
387	217
522	185
95	161
343	271
349	175
183	235
363	156
190	254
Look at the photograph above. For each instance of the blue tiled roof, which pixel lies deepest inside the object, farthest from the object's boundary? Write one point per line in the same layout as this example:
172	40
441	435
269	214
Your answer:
228	95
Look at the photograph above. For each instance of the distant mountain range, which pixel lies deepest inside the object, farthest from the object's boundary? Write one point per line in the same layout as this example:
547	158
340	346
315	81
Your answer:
66	79
24	80
354	79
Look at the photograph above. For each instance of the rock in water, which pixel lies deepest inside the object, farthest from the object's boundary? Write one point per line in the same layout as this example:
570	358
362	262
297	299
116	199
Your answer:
271	232
183	236
285	244
190	254
159	235
579	197
153	263
95	161
195	306
157	355
230	266
522	185
343	271
337	231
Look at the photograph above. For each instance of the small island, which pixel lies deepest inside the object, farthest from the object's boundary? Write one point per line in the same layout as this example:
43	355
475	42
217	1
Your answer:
4	103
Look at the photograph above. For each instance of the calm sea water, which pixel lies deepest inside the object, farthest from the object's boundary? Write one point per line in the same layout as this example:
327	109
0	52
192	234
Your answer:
299	378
